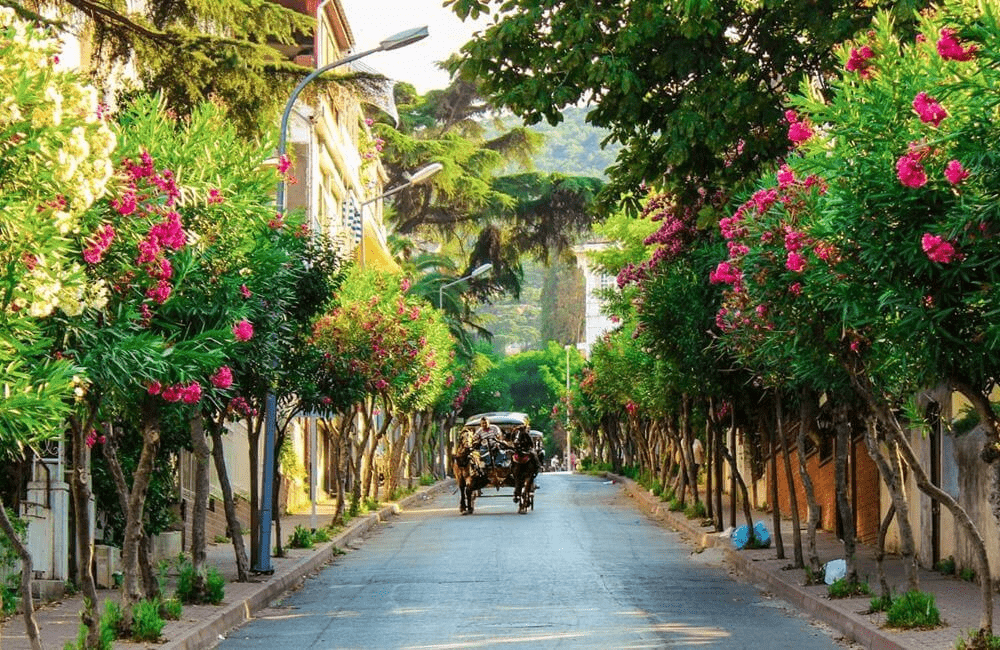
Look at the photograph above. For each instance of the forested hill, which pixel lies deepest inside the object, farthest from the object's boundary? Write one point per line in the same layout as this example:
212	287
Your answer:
572	147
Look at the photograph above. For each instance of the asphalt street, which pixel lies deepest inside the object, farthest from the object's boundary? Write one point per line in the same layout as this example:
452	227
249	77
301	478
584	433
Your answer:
584	569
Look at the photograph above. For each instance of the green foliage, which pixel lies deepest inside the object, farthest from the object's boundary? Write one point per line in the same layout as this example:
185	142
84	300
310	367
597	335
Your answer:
978	641
215	585
676	505
147	624
968	574
880	603
109	629
695	511
301	537
171	609
844	588
321	536
946	566
427	479
914	609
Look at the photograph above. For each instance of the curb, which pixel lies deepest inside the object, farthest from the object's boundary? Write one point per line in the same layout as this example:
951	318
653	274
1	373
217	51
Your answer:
856	630
233	614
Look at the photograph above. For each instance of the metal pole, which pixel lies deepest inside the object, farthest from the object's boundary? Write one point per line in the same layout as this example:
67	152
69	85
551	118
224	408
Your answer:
569	443
263	559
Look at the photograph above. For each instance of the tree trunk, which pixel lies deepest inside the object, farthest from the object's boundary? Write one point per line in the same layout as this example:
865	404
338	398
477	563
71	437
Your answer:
793	498
253	444
779	541
743	491
27	572
974	538
687	450
199	506
81	494
892	475
844	509
136	507
883	529
709	470
807	419
229	503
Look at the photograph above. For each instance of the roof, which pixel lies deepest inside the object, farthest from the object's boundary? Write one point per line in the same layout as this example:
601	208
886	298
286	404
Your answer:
499	417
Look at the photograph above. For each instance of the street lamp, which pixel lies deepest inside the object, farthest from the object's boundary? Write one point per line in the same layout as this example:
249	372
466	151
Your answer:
402	39
569	444
479	270
418	177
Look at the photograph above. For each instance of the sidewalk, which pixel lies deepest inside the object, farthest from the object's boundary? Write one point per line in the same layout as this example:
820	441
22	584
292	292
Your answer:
202	626
958	601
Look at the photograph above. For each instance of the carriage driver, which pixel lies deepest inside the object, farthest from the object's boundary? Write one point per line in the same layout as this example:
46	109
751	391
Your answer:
489	435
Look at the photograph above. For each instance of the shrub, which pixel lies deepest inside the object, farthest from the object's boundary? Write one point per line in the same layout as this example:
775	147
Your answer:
301	537
171	609
146	621
371	505
675	505
427	479
913	609
695	511
215	586
880	604
322	535
846	589
946	566
978	641
967	574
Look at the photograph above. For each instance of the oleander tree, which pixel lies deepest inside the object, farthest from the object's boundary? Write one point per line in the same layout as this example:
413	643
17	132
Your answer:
870	251
55	164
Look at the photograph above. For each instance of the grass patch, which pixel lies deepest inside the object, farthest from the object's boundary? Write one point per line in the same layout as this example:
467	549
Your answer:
914	609
879	604
978	641
946	566
846	589
301	537
695	511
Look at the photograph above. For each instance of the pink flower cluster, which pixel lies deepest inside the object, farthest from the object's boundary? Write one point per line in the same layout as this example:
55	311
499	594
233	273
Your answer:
928	108
798	130
241	406
937	248
222	378
214	196
955	173
93	438
189	393
910	171
243	330
726	273
859	61
99	244
950	49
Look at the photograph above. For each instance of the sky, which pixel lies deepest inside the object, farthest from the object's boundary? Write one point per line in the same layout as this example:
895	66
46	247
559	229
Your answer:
372	21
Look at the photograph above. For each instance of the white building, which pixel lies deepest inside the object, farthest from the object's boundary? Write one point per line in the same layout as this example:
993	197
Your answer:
596	322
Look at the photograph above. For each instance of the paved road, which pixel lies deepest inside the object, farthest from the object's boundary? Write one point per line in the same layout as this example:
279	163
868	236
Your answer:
583	570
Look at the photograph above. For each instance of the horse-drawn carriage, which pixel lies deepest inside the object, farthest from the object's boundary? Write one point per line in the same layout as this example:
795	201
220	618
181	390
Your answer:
503	453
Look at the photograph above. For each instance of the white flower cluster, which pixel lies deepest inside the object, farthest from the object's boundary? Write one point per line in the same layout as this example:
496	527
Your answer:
56	162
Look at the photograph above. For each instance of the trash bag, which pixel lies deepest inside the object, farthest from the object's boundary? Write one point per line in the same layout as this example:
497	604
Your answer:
741	536
835	570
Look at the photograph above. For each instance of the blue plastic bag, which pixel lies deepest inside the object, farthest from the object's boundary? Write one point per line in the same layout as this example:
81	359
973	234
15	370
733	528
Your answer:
762	536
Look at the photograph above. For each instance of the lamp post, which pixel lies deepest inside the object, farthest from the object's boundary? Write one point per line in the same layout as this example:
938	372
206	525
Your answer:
479	270
402	39
418	177
569	444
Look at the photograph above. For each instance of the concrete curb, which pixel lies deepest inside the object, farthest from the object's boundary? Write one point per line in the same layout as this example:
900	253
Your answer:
233	614
857	629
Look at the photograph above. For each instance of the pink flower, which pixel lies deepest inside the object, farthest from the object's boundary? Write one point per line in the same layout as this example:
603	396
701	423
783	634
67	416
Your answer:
928	108
191	394
214	196
858	61
949	47
223	378
910	172
154	388
244	291
795	288
277	222
795	262
93	438
243	330
160	293
937	248
125	205
955	173
725	273
284	163
172	393
404	285
798	130
794	241
786	177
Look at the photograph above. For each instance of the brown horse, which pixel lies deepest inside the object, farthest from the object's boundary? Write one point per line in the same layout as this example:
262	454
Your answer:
524	468
468	473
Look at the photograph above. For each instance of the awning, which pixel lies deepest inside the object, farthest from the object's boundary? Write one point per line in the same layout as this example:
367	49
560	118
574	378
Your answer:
373	251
